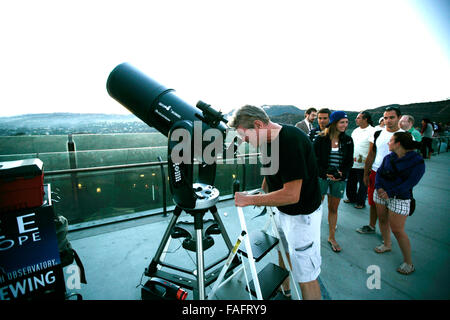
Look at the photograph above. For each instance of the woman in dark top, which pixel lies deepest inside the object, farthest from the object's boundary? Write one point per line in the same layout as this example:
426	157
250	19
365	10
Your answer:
399	172
334	153
427	138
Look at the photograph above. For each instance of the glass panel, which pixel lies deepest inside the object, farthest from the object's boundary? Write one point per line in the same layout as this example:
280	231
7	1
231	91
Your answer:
104	194
88	196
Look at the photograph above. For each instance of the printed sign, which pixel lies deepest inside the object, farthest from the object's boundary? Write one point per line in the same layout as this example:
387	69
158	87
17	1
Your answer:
29	258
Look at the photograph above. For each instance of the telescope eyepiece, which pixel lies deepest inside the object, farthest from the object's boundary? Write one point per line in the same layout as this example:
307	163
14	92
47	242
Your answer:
211	115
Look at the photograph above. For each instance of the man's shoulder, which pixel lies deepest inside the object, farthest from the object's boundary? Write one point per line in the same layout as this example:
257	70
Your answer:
367	131
356	131
416	134
290	130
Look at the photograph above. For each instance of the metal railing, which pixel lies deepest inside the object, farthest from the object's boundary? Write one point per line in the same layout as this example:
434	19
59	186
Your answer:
73	177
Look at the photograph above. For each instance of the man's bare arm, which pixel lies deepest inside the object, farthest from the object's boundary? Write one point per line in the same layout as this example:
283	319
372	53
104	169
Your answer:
289	194
368	164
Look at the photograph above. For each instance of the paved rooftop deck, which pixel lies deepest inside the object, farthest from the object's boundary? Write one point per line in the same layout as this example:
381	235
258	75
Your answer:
115	256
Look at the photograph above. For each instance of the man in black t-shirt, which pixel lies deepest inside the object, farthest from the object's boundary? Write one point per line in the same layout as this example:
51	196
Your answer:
293	188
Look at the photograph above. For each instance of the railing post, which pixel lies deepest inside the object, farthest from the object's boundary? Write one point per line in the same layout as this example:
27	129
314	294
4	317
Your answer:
163	177
73	165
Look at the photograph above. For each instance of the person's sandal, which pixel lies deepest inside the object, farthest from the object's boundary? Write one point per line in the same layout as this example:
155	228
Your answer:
406	268
382	249
335	247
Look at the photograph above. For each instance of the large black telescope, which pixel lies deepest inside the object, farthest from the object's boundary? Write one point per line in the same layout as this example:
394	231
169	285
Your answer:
156	105
160	108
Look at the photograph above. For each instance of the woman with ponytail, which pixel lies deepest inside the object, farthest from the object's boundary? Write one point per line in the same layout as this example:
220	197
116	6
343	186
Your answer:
400	171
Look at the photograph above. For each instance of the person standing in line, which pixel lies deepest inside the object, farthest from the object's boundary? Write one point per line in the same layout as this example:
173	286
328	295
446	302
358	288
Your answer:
378	149
306	124
334	152
407	123
427	138
356	190
293	189
380	125
323	118
399	172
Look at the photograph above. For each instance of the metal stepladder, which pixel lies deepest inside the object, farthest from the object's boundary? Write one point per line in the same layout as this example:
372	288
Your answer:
256	245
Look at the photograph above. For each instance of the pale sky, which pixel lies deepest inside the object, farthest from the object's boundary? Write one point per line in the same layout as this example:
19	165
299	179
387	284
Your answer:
56	56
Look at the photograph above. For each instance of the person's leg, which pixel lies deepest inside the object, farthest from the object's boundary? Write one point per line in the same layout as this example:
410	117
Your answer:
430	147
286	284
371	191
383	222
361	194
281	225
303	237
350	189
373	216
397	224
373	211
311	290
423	148
333	204
427	147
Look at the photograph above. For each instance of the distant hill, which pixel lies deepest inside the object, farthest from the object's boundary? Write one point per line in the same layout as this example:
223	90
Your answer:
278	110
64	119
64	123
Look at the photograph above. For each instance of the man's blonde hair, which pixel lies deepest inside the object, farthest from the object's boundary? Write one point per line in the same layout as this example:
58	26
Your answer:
246	116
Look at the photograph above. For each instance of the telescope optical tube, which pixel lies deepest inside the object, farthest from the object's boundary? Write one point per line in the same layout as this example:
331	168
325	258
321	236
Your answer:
151	102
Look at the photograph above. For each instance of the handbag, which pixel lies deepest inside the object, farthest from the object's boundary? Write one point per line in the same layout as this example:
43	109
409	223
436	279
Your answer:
412	205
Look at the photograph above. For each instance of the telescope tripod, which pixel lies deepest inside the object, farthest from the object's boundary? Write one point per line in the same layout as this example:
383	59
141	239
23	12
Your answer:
198	238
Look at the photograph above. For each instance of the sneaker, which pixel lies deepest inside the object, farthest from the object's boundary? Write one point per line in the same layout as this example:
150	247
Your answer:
365	230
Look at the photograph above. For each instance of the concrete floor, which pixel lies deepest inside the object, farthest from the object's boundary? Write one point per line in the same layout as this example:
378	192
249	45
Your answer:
115	256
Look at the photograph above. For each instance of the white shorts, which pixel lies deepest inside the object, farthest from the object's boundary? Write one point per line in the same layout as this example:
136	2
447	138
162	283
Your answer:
301	238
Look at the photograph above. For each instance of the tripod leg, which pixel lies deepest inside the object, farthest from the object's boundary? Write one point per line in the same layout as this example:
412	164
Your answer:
216	216
156	259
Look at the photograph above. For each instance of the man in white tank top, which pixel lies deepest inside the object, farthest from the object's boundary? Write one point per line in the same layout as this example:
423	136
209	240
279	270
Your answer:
374	159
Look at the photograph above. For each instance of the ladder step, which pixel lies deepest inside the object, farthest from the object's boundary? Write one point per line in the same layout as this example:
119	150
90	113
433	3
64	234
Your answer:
270	279
190	283
261	244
